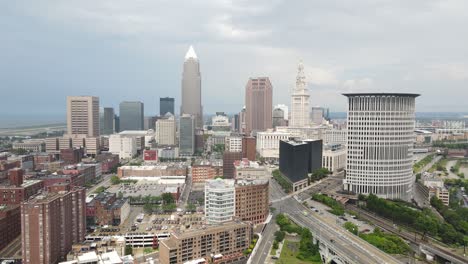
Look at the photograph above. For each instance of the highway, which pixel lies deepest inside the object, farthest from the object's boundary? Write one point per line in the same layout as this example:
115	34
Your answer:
341	241
344	243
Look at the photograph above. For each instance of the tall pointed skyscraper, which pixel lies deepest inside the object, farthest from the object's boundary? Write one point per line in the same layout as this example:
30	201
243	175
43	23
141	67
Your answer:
300	101
191	88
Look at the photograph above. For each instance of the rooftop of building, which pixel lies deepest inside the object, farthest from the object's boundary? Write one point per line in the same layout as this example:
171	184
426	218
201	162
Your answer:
8	207
381	95
26	183
179	234
160	166
333	147
298	141
220	183
135	132
251	182
206	162
245	163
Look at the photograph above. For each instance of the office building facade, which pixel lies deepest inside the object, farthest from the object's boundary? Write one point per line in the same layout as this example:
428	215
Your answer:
166	105
186	135
228	163
298	159
83	115
258	104
108	121
131	116
165	133
380	144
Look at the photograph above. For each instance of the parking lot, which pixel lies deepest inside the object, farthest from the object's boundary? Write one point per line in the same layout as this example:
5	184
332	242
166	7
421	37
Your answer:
161	223
143	188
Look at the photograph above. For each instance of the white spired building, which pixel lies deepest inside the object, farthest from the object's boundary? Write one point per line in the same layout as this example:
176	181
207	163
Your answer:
300	101
380	144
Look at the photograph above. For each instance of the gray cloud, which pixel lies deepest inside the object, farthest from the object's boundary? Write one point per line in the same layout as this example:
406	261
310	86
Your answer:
122	50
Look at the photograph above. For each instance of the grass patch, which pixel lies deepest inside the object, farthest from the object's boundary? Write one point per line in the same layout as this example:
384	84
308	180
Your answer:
148	250
272	251
336	207
289	254
388	243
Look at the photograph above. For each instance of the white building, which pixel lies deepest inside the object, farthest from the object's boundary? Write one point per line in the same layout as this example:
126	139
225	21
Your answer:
220	200
334	158
143	138
125	147
335	136
168	152
300	101
220	122
166	131
317	114
34	145
310	132
92	145
268	143
233	143
380	144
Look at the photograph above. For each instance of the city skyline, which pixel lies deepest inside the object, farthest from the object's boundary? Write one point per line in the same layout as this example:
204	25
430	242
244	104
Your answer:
127	62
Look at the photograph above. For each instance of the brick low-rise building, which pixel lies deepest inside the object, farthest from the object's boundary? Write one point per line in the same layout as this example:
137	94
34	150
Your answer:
15	190
252	201
226	241
203	170
106	209
71	155
10	224
72	179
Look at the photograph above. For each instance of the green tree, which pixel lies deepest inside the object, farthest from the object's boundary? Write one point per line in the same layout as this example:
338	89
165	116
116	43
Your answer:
128	250
275	244
148	208
100	189
169	207
351	227
115	180
427	225
279	236
167	198
190	207
120	195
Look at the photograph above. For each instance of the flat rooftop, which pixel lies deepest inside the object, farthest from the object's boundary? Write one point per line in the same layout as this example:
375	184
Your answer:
381	95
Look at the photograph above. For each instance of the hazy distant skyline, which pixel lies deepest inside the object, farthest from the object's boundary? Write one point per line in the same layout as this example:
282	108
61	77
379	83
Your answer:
134	50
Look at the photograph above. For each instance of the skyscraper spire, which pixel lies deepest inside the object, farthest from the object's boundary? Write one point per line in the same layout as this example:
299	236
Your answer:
191	54
301	83
300	100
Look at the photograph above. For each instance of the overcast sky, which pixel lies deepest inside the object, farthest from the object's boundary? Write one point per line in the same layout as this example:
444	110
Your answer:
134	50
